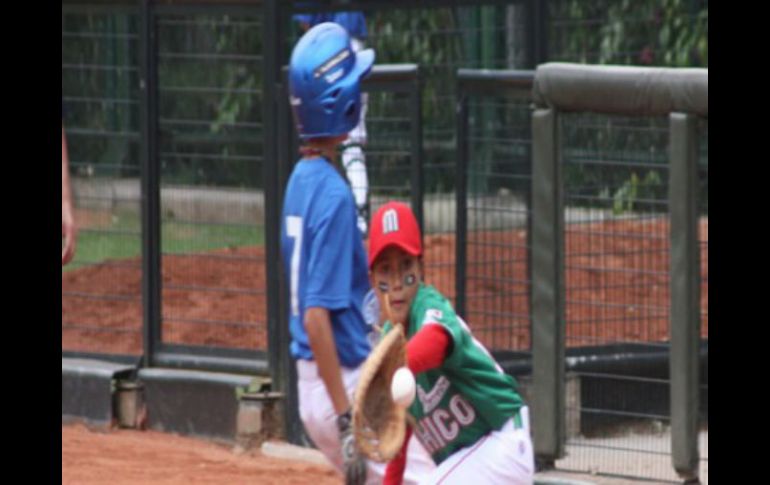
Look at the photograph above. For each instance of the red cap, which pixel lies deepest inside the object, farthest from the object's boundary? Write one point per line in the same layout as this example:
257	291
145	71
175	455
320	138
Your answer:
394	224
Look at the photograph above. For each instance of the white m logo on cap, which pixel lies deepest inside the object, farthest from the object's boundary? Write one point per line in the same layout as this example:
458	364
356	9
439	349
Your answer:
389	221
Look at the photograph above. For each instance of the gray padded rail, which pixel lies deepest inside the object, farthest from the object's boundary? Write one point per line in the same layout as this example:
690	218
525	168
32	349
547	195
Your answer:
622	90
392	72
501	77
87	389
192	403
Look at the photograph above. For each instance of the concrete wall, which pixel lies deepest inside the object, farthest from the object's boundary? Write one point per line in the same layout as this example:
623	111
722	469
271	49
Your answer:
247	206
201	204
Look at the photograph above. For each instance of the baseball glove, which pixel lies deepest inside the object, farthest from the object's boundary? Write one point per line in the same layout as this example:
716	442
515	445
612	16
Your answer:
379	423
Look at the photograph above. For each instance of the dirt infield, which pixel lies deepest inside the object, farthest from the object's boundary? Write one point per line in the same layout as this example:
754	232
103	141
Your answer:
616	287
129	457
123	457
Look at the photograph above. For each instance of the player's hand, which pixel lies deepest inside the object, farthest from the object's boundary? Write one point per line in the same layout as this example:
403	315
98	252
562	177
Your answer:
68	232
354	462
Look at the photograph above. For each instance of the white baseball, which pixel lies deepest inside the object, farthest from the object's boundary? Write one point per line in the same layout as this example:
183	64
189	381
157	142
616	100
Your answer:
402	387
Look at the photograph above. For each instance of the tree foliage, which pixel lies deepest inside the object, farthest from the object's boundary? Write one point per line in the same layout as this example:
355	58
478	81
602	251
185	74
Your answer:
664	33
225	120
672	33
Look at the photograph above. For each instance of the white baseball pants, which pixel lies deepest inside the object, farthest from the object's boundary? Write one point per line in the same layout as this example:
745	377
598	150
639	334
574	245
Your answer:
503	457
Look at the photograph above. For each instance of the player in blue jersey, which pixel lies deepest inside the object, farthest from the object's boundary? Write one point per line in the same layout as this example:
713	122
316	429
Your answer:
352	149
323	252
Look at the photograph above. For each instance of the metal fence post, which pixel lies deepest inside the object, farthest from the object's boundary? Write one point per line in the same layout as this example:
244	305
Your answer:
461	230
549	402
538	33
685	294
286	160
150	185
418	187
277	331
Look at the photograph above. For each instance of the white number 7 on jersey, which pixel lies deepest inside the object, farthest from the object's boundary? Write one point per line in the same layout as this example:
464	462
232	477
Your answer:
294	230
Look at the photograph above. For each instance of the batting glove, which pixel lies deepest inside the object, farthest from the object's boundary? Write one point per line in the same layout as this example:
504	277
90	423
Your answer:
355	463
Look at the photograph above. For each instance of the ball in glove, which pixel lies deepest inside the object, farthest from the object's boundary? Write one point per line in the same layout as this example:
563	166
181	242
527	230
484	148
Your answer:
402	387
379	423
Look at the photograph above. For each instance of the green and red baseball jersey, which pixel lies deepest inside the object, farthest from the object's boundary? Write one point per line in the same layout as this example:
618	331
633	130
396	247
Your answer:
465	398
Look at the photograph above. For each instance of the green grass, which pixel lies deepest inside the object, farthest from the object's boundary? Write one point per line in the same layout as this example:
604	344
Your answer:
178	237
122	239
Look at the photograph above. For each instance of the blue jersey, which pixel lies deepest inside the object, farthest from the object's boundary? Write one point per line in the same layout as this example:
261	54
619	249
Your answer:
324	258
353	22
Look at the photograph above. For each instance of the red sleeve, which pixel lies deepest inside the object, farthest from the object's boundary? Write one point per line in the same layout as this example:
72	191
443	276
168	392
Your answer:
394	472
428	348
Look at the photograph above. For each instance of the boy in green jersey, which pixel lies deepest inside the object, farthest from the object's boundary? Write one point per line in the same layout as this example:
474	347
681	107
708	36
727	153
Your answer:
467	412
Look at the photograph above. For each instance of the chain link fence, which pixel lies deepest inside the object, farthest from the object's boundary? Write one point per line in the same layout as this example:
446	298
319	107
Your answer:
617	289
212	214
497	278
617	276
210	127
101	287
212	204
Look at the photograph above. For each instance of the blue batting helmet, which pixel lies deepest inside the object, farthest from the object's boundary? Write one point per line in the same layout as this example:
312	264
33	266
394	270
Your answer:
324	78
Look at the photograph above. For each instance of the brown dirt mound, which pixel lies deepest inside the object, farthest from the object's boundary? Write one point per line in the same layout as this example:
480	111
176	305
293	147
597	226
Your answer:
213	299
616	283
123	457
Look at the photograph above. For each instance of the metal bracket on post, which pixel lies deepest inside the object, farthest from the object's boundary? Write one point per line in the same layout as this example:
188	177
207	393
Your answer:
549	401
685	294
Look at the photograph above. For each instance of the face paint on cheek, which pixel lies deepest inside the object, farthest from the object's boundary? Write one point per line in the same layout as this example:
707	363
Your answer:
383	286
410	280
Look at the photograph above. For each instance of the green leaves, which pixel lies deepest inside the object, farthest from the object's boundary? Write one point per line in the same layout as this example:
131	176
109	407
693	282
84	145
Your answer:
674	32
256	385
633	190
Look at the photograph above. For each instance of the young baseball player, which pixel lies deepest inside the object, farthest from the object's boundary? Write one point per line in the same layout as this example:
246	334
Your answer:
324	255
353	155
467	411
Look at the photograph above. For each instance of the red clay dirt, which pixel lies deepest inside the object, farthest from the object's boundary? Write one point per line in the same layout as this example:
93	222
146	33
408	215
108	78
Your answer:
130	457
616	287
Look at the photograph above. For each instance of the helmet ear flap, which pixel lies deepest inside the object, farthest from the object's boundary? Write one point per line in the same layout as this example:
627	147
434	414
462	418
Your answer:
330	101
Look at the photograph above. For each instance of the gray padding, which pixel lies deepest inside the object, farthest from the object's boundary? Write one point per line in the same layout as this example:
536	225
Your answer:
194	376
192	403
548	406
92	367
515	78
86	388
622	90
392	73
685	294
